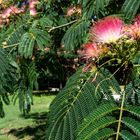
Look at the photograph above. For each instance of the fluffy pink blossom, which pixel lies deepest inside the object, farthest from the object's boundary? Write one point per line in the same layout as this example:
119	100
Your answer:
133	30
137	19
11	10
15	10
32	3
32	8
6	13
107	30
71	10
136	27
79	10
74	10
90	50
33	12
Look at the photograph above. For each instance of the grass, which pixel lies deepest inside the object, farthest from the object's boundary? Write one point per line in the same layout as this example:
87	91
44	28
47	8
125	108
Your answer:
15	127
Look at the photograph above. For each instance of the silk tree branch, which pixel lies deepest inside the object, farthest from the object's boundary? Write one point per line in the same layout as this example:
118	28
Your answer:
63	25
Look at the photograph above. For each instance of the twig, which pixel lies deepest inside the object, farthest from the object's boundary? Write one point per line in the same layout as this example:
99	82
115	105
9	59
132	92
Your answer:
120	117
63	25
108	77
10	45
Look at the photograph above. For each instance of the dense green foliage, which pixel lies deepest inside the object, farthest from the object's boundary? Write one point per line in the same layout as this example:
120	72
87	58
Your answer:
8	78
92	104
86	108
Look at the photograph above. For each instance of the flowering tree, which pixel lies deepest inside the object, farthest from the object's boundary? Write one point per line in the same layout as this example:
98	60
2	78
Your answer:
102	34
27	36
93	104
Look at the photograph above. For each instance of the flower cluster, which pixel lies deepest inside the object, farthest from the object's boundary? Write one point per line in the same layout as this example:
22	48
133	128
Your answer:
134	29
15	10
32	9
107	30
5	15
111	37
73	10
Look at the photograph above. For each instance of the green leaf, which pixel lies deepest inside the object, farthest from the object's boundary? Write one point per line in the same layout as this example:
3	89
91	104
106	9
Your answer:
73	36
26	45
15	35
45	21
130	8
103	134
136	59
78	99
41	37
100	6
134	125
88	9
70	106
135	110
95	126
96	114
7	79
126	135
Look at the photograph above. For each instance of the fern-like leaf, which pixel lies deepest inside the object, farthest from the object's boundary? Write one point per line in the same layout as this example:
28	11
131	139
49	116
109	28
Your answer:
100	6
77	100
41	37
126	135
88	9
98	113
95	126
30	39
73	37
7	79
70	107
103	134
132	124
26	45
135	110
15	36
130	8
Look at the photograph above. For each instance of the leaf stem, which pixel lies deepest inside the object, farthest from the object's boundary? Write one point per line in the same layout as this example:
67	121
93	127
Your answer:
63	25
108	78
120	117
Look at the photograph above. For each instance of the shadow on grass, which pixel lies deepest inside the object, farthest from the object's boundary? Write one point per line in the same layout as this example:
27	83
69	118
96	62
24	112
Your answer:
36	131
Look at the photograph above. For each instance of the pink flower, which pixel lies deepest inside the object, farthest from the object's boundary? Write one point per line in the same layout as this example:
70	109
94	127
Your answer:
90	50
11	10
33	12
32	8
137	19
32	3
74	10
79	10
14	9
6	13
107	30
134	29
71	11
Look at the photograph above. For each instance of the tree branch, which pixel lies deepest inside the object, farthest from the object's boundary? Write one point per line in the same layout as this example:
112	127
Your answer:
63	25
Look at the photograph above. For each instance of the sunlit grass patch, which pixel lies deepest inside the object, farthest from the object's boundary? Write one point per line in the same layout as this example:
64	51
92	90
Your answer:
15	126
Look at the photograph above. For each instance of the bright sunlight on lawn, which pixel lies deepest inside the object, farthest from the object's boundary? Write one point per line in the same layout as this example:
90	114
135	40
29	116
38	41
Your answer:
15	127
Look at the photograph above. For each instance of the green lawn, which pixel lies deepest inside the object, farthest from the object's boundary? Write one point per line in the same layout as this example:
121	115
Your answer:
15	127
